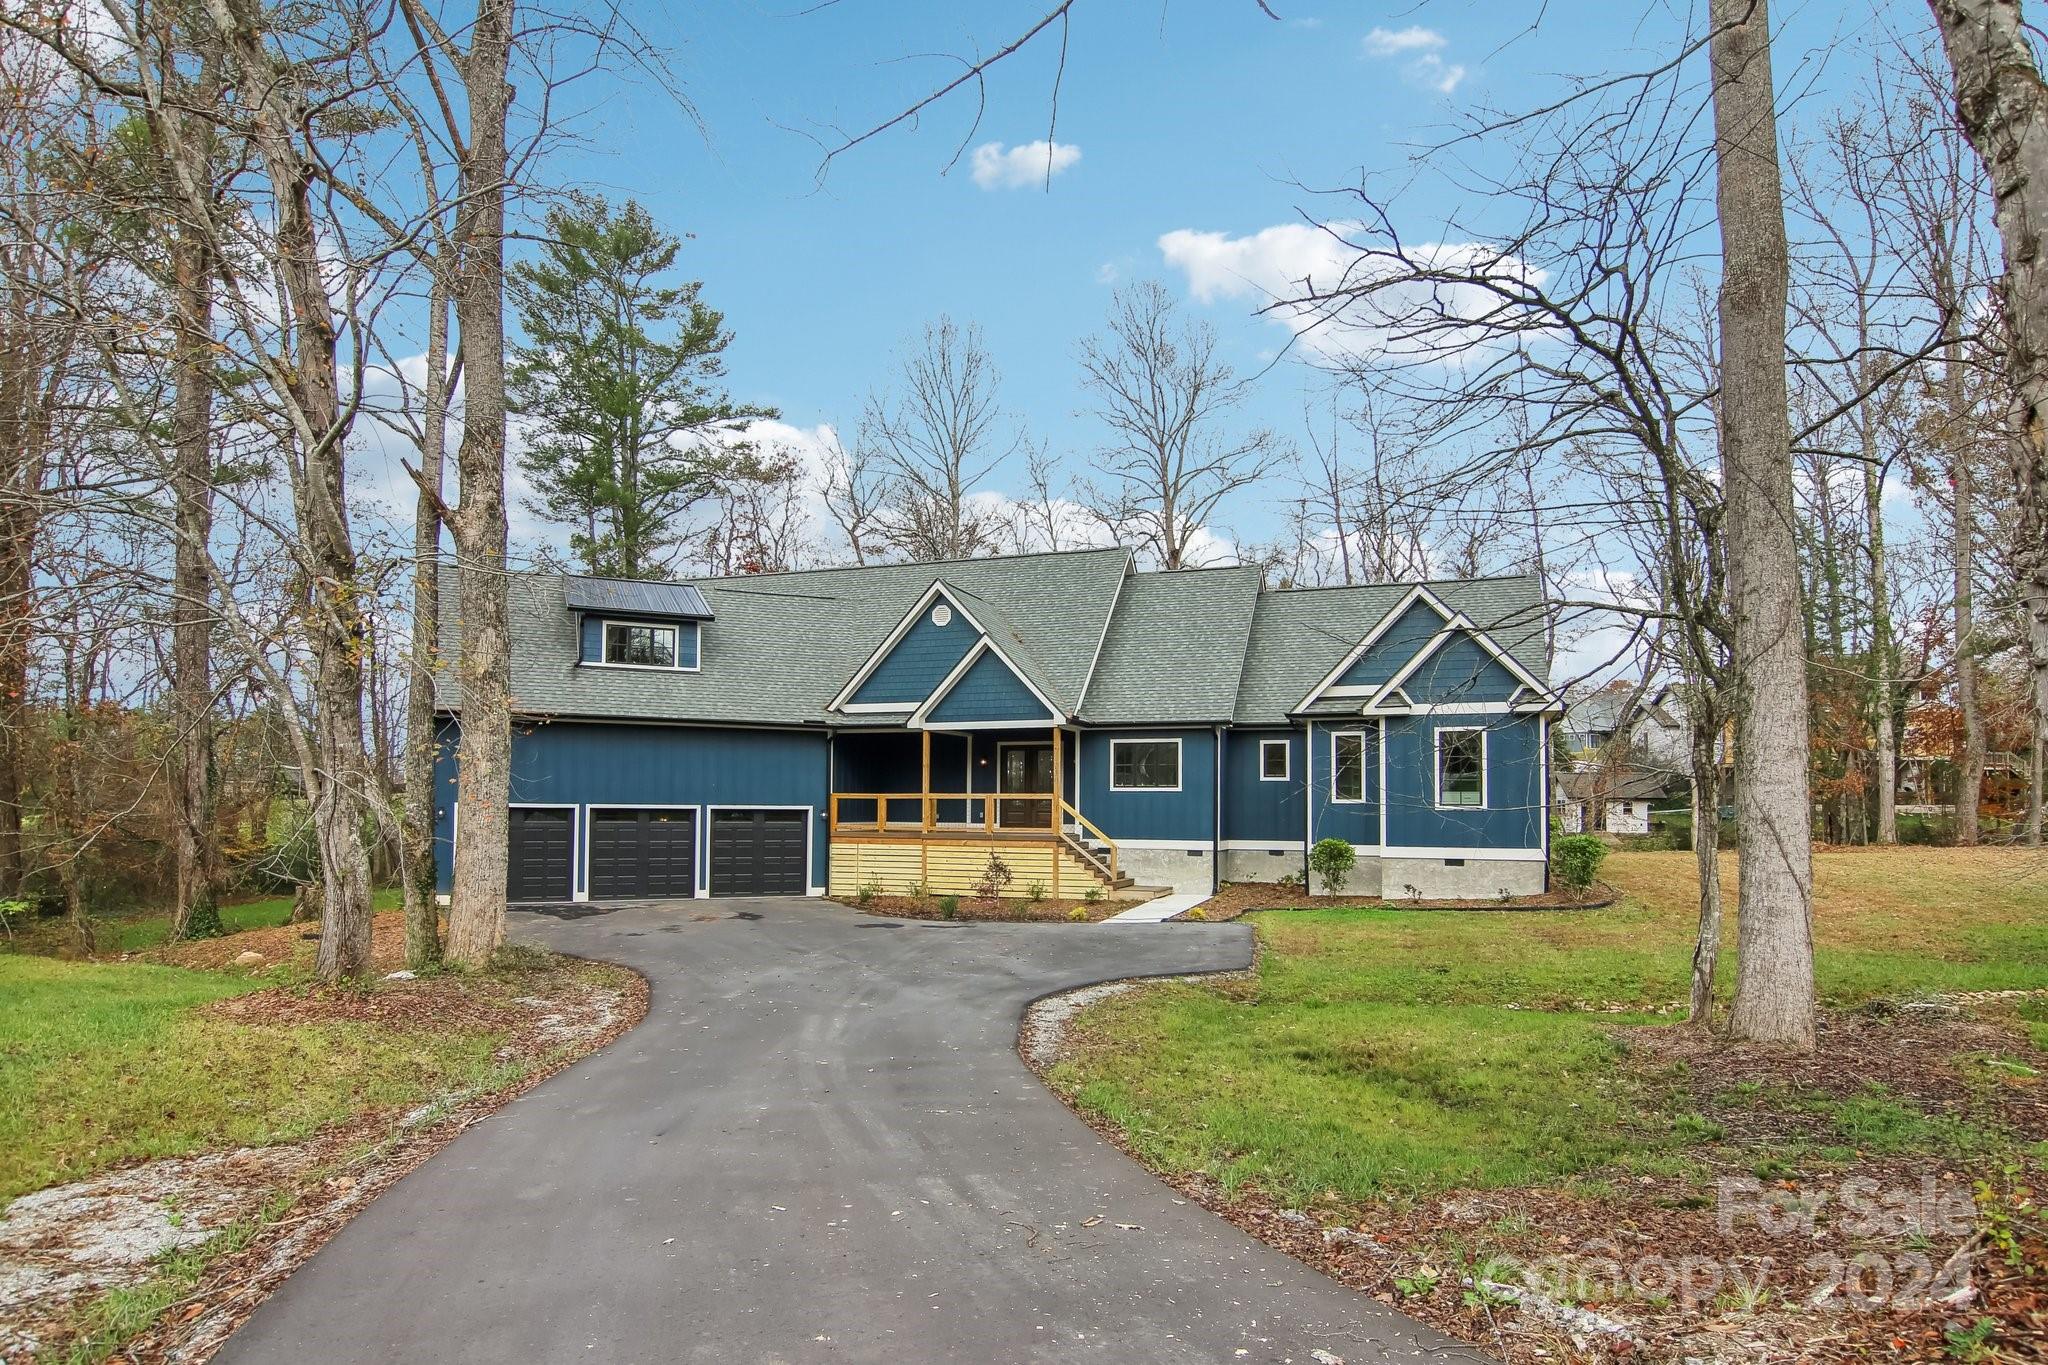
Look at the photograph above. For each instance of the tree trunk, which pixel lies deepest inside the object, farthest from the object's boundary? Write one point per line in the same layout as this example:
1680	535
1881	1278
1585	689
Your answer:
1882	664
195	912
340	781
476	906
1706	850
1773	813
422	912
2003	106
1962	471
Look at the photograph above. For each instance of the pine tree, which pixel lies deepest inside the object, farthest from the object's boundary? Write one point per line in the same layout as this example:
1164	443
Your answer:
618	383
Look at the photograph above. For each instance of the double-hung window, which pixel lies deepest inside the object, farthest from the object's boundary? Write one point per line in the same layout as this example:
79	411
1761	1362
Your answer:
638	645
1461	767
1138	765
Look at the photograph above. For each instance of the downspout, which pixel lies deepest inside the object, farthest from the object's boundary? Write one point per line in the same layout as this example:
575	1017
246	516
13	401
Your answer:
1216	828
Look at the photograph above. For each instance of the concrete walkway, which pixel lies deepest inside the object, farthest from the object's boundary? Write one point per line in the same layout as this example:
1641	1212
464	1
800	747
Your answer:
821	1146
1156	911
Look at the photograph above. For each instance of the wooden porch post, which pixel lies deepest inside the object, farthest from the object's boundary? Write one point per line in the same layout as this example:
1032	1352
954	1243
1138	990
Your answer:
924	806
1057	745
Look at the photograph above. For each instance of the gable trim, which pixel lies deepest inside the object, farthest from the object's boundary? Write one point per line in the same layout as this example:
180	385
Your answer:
1419	593
1457	623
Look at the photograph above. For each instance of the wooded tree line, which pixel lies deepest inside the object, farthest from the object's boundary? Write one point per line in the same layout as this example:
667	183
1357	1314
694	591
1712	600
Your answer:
1681	371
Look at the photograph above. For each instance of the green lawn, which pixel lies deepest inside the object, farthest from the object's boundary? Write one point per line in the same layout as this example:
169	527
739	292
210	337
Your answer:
136	931
1386	1052
101	1063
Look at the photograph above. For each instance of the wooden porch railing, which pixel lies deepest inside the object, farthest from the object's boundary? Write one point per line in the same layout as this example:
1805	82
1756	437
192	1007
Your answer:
981	810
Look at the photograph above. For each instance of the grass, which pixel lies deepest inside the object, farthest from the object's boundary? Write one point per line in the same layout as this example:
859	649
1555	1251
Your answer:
102	1063
1388	1053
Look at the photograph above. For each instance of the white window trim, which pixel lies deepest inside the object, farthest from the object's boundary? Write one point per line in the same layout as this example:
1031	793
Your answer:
1436	745
676	627
1363	785
1286	748
1179	762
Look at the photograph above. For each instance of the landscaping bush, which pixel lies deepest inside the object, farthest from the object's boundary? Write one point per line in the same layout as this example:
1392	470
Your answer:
1576	860
1079	914
949	907
1332	861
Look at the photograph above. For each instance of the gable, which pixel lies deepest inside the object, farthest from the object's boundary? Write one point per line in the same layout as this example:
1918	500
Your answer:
1458	670
988	691
1413	629
918	662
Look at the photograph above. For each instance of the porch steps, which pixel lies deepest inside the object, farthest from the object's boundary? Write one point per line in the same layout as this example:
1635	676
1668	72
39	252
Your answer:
1157	911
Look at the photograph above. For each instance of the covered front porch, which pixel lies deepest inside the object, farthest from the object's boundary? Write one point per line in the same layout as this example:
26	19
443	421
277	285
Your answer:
924	811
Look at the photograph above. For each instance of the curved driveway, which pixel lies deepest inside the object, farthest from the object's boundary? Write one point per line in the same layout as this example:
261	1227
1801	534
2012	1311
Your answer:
820	1146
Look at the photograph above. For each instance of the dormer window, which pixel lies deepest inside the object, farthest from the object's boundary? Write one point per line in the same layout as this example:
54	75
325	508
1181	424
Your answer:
639	645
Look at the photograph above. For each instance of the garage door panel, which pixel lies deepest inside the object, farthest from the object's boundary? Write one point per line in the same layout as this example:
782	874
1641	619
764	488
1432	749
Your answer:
640	854
540	854
759	853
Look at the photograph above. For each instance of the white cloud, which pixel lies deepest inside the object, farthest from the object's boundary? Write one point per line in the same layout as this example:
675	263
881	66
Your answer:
1107	273
1276	266
996	167
1423	46
1393	42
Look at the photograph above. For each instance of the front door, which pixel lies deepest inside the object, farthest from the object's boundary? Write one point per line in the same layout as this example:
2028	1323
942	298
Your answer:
1026	768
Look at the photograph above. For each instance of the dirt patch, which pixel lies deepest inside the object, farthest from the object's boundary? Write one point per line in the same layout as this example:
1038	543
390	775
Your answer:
283	944
268	1209
1778	1239
904	907
1237	898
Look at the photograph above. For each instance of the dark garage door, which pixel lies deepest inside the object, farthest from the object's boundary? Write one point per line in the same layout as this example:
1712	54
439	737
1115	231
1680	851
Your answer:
758	853
642	853
540	853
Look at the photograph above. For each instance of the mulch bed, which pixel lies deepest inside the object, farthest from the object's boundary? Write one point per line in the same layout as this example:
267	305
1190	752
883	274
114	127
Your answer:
1719	1264
1237	898
904	907
555	1011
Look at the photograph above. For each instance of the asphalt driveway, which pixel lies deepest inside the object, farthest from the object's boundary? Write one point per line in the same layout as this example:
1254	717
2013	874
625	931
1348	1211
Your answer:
820	1146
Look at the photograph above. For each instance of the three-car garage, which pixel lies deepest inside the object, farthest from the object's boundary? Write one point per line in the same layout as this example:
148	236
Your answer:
656	852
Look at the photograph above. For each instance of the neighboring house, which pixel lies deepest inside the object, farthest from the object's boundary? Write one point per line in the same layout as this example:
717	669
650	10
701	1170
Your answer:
1619	803
1089	725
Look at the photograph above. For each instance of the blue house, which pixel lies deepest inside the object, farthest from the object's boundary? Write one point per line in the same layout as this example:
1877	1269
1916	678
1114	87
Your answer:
1085	724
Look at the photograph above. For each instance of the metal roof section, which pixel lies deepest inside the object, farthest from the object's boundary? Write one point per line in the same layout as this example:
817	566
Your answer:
636	597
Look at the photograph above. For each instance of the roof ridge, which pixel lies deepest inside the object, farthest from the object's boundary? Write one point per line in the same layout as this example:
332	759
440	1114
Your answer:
1400	583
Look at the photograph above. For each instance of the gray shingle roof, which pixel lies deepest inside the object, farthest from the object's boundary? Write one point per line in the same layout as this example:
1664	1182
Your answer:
1300	635
781	645
1190	647
1175	649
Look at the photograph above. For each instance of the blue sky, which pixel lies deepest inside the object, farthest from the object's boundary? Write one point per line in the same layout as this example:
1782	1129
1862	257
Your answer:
1190	117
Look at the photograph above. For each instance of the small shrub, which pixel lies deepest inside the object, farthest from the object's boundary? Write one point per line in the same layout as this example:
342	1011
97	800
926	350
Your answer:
1332	860
1197	913
949	907
1292	882
1576	860
1079	914
994	878
866	892
1035	892
1092	895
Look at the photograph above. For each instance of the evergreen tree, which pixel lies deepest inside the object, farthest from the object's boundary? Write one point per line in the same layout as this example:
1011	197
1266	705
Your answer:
618	385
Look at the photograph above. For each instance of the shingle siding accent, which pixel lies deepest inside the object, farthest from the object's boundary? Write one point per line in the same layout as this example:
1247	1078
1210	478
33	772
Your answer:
989	692
1460	669
919	661
1416	627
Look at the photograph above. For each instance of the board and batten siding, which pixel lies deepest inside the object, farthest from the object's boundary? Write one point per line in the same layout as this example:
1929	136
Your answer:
1515	809
918	662
1258	811
591	638
578	763
1355	822
1187	816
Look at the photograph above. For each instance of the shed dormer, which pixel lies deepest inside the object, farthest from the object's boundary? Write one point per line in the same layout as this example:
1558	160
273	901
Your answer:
625	623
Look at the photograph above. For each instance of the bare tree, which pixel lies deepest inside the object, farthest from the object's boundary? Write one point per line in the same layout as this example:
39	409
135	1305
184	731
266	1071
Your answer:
2002	103
852	491
1168	401
935	443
